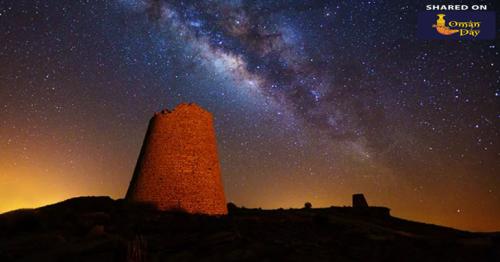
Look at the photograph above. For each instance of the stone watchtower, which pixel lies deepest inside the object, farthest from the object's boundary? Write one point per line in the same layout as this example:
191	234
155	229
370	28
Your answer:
178	167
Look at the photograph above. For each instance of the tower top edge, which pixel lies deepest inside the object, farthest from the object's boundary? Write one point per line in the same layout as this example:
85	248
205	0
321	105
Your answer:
182	107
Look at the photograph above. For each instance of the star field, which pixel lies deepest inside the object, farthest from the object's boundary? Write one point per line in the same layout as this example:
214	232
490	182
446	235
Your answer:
313	101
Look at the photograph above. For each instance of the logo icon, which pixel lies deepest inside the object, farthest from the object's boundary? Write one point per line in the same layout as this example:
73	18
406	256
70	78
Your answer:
441	26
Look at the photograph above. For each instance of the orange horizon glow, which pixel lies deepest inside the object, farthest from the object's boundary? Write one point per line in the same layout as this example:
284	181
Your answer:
37	192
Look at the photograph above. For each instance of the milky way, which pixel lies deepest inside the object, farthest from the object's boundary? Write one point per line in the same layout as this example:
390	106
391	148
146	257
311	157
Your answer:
296	54
313	101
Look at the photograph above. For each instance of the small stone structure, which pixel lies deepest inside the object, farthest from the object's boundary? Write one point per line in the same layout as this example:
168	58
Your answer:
178	167
359	201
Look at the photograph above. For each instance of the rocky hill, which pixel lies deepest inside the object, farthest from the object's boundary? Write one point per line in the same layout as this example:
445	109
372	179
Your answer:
103	229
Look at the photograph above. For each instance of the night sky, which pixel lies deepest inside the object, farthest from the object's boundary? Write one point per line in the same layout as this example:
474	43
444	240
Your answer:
313	101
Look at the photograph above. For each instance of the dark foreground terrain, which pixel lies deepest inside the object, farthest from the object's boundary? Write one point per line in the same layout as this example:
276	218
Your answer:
102	229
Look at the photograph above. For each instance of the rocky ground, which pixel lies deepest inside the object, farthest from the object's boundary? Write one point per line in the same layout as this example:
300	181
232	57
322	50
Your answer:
102	229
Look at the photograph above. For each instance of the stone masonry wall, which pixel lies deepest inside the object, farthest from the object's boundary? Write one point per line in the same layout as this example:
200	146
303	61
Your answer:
178	166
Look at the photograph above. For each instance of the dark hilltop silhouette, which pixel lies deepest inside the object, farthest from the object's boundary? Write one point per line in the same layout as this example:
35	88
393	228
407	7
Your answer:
102	229
175	210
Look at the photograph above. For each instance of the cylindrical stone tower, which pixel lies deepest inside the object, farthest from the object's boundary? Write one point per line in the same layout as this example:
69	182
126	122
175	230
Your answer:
178	167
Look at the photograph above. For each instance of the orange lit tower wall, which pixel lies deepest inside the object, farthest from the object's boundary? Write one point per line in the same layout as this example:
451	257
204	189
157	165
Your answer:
178	167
